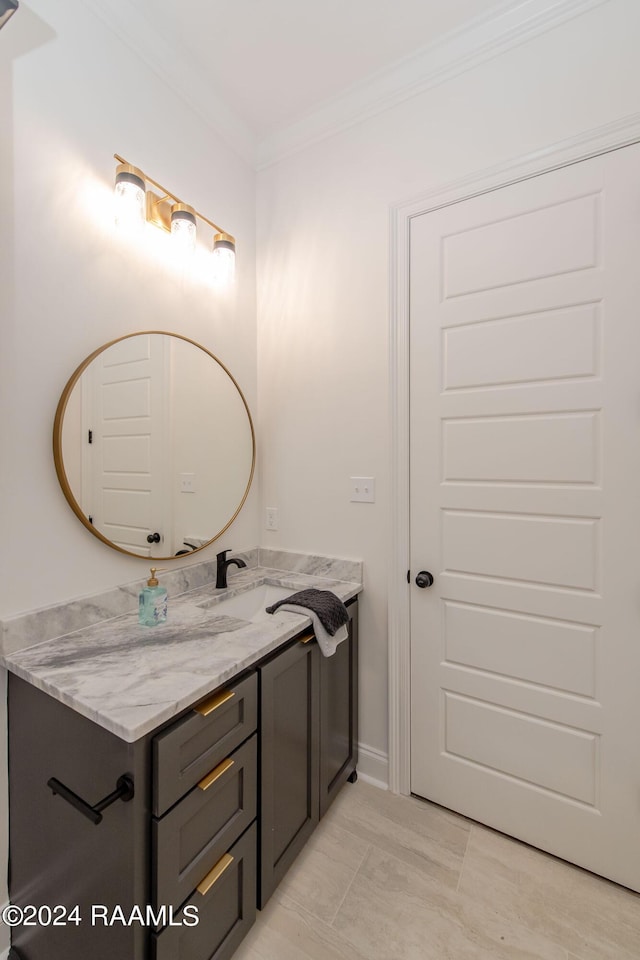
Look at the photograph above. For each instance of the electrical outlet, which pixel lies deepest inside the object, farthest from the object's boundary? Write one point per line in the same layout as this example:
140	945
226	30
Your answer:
363	489
187	483
271	520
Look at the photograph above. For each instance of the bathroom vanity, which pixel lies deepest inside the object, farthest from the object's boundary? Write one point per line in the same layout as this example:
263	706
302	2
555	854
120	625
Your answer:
227	786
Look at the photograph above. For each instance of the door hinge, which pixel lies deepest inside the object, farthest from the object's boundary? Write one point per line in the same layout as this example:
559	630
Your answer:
408	576
90	438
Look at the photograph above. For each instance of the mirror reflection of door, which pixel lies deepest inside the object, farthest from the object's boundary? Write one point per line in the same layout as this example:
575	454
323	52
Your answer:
126	433
172	446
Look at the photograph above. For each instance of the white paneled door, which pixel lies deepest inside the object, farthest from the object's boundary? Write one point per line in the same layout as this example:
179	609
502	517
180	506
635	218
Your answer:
126	393
525	507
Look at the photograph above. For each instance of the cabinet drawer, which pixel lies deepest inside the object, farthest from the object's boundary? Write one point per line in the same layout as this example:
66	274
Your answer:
190	839
198	742
226	910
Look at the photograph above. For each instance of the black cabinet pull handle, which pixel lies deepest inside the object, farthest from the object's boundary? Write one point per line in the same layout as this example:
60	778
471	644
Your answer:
124	791
153	538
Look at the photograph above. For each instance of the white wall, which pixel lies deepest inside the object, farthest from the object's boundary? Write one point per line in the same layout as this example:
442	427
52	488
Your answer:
78	96
71	95
323	283
210	439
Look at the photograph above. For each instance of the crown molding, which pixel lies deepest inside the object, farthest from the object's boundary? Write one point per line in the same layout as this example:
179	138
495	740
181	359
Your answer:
512	23
481	40
124	19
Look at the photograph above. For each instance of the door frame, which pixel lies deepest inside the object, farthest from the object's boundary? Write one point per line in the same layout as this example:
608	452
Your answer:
584	146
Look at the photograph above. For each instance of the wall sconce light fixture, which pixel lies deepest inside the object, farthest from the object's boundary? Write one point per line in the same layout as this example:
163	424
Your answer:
224	255
7	8
130	194
136	204
183	226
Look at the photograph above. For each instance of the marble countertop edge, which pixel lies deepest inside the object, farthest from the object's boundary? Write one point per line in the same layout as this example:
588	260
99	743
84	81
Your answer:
131	679
156	714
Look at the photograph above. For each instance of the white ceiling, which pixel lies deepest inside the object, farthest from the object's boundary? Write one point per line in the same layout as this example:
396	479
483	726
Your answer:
275	61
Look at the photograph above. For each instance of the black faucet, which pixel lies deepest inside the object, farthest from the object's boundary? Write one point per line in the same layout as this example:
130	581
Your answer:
222	566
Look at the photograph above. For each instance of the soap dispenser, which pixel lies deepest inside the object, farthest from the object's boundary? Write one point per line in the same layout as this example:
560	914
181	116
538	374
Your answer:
152	608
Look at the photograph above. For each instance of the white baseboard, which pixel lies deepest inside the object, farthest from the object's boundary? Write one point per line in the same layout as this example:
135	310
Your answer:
373	766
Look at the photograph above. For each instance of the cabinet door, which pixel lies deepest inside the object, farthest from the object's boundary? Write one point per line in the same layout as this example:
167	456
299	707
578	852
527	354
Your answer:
289	730
339	715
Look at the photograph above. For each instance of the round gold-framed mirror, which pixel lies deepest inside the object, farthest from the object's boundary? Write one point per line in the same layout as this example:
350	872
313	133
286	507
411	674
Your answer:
154	445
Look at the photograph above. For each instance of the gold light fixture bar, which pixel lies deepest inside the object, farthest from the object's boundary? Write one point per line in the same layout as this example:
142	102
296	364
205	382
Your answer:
159	206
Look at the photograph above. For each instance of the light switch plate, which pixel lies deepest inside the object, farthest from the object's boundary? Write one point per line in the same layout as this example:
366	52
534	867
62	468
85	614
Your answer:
271	519
187	483
363	489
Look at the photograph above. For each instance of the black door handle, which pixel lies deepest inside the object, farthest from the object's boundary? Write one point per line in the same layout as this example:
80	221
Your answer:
424	579
153	538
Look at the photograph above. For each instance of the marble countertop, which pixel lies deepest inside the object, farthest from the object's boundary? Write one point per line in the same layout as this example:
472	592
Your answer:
130	679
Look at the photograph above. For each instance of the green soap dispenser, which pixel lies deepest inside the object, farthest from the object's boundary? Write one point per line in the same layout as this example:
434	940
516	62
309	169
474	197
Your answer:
152	605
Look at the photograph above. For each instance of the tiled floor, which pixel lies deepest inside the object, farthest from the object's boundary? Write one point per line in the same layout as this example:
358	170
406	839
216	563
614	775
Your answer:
393	878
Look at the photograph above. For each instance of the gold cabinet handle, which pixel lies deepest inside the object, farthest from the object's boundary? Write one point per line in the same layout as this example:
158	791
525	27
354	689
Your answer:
215	774
205	885
208	706
309	637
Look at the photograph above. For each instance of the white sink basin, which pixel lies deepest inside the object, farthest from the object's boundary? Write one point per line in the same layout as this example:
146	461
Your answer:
251	604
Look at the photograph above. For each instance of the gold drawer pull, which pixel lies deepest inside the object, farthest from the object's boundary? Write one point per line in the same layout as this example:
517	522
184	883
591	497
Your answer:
208	706
205	885
210	778
308	638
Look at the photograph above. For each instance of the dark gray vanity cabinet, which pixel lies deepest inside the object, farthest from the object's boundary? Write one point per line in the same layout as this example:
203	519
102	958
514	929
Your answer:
187	838
308	745
226	796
